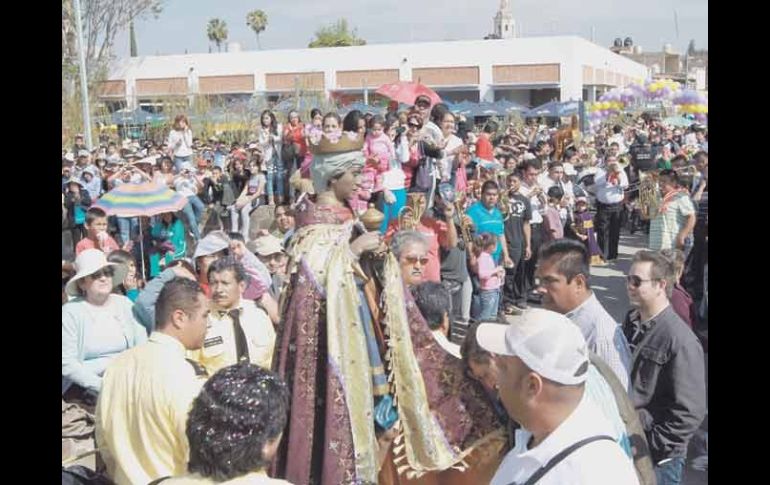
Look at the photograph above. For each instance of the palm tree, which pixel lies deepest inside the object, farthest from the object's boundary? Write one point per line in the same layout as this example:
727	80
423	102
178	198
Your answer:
257	20
217	32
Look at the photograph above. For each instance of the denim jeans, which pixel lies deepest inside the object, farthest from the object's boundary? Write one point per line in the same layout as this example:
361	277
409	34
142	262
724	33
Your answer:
488	302
178	161
127	228
245	213
192	213
276	177
670	473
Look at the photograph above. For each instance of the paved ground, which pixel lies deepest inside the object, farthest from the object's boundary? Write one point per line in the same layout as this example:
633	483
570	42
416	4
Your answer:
609	284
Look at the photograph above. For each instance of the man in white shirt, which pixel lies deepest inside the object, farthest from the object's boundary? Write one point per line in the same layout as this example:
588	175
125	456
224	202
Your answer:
610	185
563	271
531	189
543	363
237	330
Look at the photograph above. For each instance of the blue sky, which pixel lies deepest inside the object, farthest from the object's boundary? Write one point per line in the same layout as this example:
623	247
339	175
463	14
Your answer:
291	23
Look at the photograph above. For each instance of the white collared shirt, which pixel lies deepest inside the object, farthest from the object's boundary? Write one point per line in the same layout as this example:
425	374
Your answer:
219	346
601	462
604	336
607	193
445	344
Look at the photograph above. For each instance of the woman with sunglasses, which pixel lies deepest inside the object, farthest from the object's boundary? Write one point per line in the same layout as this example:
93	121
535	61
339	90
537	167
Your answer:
97	325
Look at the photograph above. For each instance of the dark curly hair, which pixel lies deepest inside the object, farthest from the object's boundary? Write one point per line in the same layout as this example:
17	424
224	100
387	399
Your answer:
239	410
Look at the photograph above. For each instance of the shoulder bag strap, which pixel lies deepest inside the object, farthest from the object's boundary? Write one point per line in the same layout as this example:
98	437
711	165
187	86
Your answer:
561	456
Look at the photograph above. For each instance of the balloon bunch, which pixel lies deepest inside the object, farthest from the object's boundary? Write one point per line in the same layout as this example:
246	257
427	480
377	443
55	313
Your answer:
661	89
694	103
610	103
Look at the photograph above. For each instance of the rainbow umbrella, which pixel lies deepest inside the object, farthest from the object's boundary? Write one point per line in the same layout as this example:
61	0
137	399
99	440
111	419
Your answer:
140	200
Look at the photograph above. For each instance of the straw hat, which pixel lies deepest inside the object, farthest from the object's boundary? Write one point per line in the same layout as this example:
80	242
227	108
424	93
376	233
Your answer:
89	262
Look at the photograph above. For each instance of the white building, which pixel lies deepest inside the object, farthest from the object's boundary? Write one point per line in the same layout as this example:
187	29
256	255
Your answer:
529	71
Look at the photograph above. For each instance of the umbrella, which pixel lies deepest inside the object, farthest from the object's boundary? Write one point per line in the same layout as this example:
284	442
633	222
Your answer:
407	91
129	117
140	200
554	109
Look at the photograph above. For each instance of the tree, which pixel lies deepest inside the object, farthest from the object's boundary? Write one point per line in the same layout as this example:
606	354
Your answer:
257	20
691	48
133	39
217	32
336	35
102	21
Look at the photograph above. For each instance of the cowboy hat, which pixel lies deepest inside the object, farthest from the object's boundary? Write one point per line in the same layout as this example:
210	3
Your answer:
89	262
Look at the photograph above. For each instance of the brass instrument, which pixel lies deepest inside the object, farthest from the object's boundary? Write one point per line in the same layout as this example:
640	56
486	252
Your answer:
409	215
465	230
649	195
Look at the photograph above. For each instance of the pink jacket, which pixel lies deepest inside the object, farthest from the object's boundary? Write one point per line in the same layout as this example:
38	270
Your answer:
382	148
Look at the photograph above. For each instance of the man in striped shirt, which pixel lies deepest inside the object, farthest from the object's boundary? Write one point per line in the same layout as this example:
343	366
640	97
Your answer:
675	219
562	274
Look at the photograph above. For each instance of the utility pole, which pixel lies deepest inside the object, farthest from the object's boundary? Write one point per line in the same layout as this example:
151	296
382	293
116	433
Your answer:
83	76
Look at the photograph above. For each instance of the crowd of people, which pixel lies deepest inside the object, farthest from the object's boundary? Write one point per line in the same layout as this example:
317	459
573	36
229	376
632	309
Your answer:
398	298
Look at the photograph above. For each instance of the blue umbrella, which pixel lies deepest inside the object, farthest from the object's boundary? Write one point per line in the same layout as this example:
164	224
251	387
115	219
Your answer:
128	117
554	109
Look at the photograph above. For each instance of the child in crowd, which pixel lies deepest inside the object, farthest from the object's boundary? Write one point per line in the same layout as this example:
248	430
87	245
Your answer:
583	227
131	285
490	276
96	233
553	226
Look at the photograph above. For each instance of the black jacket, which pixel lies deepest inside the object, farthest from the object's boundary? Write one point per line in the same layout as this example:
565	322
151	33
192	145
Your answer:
668	381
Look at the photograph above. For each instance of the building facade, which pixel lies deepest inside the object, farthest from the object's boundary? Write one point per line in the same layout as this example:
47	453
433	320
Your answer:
529	71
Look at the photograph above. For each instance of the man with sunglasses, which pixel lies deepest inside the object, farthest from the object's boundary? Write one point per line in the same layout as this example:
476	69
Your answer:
411	250
667	372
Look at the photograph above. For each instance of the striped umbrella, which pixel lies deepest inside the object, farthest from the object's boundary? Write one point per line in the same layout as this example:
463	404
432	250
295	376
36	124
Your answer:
140	200
145	200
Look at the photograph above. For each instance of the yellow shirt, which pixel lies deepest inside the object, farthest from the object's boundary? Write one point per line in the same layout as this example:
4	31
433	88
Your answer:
255	478
219	347
142	411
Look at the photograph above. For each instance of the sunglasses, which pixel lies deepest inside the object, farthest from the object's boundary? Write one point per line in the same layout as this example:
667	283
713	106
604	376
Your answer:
423	105
636	281
108	272
414	260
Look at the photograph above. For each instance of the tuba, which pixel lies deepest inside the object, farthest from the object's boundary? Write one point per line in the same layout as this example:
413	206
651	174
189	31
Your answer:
409	215
649	194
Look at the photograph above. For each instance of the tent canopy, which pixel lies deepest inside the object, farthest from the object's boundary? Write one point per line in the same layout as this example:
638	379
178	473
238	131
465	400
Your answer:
554	109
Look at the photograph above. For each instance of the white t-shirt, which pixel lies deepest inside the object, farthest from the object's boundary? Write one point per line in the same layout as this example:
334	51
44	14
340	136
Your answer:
535	204
184	139
601	462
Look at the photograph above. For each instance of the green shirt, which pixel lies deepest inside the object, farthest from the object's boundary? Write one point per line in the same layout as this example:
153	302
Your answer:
666	225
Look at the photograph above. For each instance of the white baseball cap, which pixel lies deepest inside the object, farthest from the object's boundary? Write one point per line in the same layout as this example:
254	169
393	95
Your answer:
547	342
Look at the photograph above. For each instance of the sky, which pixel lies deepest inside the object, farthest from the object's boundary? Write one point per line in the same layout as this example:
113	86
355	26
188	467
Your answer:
181	27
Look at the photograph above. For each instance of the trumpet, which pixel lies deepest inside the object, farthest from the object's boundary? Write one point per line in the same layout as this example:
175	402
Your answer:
687	170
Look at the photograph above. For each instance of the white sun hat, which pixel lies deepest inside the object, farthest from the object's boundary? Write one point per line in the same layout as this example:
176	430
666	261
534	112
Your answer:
89	262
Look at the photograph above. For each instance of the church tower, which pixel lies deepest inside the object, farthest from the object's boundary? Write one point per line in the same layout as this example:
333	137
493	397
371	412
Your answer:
504	24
